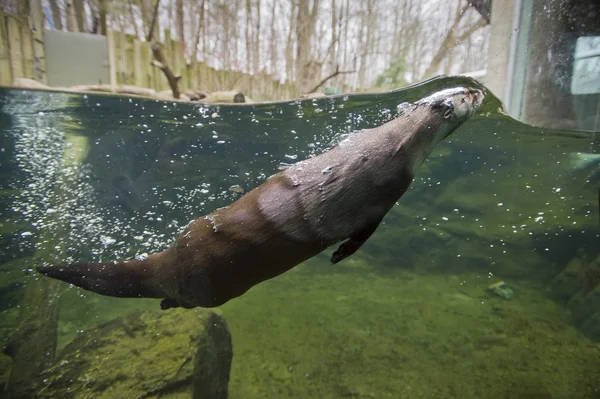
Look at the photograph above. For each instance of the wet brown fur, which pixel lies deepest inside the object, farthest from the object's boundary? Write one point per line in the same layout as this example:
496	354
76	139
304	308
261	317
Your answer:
342	194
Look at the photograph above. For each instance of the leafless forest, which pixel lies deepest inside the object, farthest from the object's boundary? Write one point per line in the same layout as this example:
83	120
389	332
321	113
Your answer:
356	45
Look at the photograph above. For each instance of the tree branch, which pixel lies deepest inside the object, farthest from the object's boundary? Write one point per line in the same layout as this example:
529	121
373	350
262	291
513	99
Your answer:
480	24
198	33
448	42
331	76
160	62
153	23
328	51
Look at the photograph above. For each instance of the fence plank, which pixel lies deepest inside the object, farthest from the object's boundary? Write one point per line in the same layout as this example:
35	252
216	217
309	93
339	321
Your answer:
39	55
112	62
15	49
130	63
146	56
119	56
5	69
27	51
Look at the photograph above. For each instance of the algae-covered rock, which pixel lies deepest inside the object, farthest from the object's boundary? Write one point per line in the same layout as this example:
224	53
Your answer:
591	326
569	281
174	354
584	307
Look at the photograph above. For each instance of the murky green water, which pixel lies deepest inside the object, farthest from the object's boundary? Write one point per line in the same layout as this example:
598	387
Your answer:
408	316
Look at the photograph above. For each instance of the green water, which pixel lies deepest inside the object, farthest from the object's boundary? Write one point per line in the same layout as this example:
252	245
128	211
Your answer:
409	315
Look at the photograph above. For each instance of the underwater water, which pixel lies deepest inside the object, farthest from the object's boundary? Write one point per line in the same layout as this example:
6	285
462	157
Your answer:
411	314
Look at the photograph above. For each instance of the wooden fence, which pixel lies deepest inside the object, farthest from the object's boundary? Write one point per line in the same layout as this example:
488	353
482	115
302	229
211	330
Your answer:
133	66
18	47
21	56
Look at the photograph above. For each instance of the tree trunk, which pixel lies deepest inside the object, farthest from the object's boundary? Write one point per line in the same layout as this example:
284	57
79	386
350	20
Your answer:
302	44
367	44
289	55
133	20
161	62
153	22
333	62
71	17
237	60
80	15
194	49
103	12
203	28
452	37
180	27
249	52
337	81
344	34
395	49
226	39
305	31
56	14
256	57
196	79
273	44
415	72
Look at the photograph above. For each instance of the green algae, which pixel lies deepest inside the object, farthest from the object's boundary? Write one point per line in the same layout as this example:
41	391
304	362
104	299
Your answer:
367	332
174	355
82	310
359	330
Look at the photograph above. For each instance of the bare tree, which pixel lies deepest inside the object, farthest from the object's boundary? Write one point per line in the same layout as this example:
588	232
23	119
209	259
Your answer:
344	38
309	42
453	36
289	45
256	39
196	42
249	52
180	26
305	31
103	11
367	43
273	41
56	14
80	15
153	22
333	61
71	17
226	39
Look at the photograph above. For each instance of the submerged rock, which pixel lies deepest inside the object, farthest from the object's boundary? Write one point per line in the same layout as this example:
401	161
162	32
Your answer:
569	281
174	354
501	289
585	311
